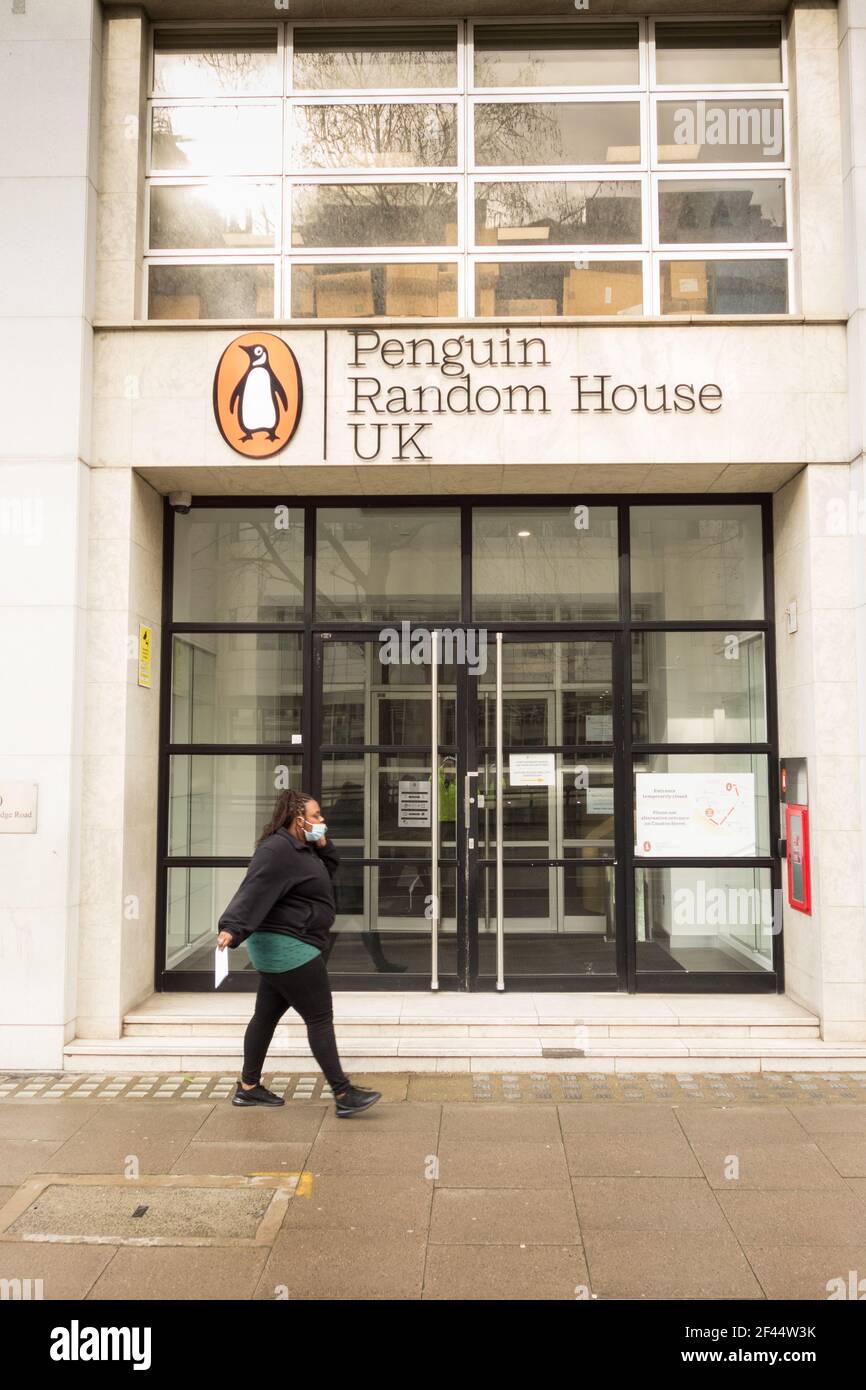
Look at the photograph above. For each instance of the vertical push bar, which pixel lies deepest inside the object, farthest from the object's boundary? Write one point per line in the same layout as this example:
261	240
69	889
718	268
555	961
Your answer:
434	812
500	887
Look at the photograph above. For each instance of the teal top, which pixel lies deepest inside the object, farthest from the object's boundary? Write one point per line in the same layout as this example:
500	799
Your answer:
273	951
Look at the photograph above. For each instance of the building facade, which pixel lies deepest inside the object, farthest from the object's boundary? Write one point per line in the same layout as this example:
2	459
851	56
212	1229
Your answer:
458	413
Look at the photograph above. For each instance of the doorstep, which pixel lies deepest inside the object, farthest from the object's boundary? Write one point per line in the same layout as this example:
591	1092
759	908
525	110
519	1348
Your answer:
487	1032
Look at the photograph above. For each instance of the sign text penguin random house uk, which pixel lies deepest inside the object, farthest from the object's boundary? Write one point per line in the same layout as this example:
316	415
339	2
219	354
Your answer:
397	417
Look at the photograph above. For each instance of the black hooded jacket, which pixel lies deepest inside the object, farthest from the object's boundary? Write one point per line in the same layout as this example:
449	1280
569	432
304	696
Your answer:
287	888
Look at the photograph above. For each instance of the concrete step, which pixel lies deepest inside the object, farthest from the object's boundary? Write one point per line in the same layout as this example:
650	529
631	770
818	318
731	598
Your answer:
429	1051
409	1031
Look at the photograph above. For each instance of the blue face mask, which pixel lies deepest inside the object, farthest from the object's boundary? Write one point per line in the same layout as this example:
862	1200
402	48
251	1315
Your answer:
318	832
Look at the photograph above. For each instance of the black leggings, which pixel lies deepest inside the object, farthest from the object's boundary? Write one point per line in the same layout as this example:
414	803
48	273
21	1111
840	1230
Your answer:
308	990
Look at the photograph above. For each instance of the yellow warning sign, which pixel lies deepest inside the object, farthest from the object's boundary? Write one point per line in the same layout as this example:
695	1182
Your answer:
145	649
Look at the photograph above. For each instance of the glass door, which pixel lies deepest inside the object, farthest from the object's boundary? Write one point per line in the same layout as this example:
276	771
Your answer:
397	909
475	811
545	836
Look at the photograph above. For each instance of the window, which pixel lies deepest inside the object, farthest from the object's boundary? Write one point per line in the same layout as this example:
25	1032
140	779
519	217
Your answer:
468	168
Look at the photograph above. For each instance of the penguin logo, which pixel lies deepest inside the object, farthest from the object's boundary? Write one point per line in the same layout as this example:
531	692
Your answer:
257	395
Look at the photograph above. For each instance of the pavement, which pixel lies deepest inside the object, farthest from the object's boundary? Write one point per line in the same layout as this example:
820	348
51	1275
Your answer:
529	1186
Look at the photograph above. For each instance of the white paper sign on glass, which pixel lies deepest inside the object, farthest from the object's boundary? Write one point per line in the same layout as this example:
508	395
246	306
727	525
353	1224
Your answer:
413	805
695	815
532	769
599	801
599	728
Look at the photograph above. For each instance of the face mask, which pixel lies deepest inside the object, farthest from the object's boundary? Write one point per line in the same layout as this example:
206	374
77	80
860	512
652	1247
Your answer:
318	832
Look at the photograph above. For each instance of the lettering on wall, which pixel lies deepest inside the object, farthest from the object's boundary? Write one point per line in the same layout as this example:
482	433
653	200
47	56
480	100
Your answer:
395	419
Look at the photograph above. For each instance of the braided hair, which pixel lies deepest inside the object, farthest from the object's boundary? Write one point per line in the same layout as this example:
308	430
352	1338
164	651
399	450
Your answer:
287	806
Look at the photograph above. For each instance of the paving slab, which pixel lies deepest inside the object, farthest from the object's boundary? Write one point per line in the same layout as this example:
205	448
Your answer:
172	1272
503	1216
673	1206
512	1272
799	1217
349	1203
809	1271
502	1163
66	1271
661	1265
343	1264
765	1166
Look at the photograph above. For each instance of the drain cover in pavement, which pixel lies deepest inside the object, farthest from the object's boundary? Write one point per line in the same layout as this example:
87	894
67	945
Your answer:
171	1210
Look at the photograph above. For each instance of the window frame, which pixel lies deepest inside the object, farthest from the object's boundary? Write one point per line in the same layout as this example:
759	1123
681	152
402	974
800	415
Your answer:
466	172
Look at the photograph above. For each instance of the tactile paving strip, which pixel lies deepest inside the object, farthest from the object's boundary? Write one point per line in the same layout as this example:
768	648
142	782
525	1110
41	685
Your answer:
723	1088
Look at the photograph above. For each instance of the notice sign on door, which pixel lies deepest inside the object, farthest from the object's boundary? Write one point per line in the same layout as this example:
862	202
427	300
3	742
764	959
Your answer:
413	805
695	814
18	808
532	770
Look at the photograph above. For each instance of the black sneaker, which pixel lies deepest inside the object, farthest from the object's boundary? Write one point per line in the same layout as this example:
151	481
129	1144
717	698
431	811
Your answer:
258	1095
354	1100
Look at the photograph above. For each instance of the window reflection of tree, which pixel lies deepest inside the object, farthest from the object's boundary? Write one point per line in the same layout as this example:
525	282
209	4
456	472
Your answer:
606	213
375	214
391	63
378	134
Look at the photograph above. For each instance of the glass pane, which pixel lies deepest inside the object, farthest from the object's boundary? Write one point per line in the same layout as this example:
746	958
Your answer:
354	59
523	289
557	214
537	563
702	805
698	687
345	290
375	135
697	563
373	692
382	924
548	55
558	921
241	139
573	818
737	210
704	920
195	902
698	54
724	287
210	292
232	63
380	805
374	214
238	565
219	803
721	132
389	563
557	132
553	693
238	216
236	687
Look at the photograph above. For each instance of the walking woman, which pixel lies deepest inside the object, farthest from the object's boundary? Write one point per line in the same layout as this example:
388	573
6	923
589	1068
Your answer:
283	911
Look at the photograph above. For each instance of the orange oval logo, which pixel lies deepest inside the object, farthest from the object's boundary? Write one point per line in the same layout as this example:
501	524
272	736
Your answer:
257	395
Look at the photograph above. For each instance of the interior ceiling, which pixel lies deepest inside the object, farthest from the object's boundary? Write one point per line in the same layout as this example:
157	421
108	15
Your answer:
245	10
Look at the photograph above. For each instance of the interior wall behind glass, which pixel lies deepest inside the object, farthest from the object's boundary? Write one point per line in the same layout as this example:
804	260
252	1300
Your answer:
238	565
388	563
545	563
697	563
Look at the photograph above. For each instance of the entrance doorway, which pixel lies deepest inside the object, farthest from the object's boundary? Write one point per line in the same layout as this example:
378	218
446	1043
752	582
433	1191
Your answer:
475	804
542	731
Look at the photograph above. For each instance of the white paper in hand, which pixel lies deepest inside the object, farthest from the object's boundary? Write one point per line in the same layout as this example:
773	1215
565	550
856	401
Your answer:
220	966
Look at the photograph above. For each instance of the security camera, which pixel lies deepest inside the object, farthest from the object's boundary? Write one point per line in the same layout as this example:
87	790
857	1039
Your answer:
180	501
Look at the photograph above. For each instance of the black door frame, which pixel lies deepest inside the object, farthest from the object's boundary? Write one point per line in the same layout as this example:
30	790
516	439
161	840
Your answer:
771	981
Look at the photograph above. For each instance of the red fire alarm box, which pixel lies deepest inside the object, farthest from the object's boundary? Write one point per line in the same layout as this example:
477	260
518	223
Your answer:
799	872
